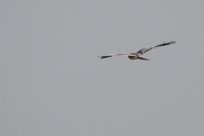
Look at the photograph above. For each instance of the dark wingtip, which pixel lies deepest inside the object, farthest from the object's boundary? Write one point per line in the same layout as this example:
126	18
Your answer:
103	57
167	43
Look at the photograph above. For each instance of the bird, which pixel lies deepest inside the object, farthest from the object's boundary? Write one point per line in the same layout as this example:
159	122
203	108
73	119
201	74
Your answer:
137	55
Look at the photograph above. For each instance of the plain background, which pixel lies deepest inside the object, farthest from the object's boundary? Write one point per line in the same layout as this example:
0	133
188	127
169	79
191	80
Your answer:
52	82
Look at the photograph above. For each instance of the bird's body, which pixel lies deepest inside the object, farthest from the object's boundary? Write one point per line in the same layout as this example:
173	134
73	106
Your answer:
138	54
132	57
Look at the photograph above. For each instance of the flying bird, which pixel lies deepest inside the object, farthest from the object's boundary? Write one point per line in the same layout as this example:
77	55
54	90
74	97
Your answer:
138	54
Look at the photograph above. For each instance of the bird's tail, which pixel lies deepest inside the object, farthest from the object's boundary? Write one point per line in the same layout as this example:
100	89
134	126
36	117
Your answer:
141	58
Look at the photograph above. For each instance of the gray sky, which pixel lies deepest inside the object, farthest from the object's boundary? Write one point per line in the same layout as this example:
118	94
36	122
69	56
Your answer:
52	82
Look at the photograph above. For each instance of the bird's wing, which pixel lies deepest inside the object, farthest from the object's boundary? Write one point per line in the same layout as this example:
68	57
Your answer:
164	44
160	45
112	55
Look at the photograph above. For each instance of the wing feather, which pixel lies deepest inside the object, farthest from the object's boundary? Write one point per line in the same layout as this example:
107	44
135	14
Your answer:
160	45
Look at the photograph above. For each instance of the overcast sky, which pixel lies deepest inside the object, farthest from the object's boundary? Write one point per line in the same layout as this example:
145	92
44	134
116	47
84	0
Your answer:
53	84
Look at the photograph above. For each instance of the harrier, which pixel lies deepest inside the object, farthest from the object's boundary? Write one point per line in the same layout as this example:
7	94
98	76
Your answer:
137	55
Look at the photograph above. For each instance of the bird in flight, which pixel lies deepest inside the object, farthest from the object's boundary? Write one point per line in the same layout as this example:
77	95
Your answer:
138	54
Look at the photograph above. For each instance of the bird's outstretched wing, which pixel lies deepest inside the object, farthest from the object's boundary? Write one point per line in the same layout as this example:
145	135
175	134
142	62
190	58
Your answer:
164	44
144	50
112	55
